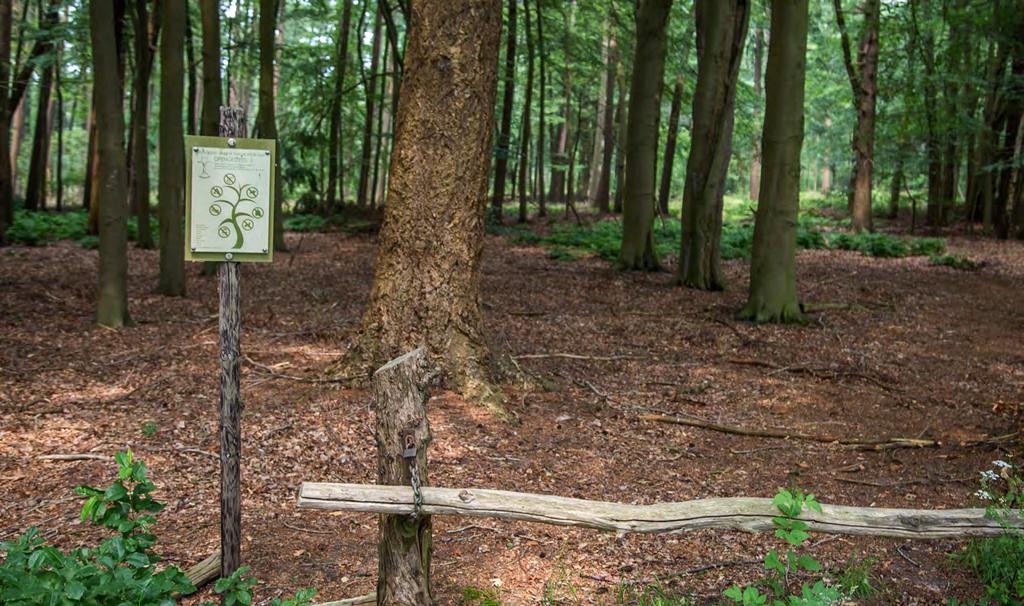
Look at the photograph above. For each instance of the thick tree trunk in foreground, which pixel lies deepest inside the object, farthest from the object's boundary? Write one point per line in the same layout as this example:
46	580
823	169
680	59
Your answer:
145	43
334	163
638	250
111	170
212	86
171	189
721	34
405	542
670	146
773	295
505	129
6	186
266	120
426	288
863	78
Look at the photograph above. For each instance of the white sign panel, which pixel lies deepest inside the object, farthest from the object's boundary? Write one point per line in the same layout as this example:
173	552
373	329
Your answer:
231	194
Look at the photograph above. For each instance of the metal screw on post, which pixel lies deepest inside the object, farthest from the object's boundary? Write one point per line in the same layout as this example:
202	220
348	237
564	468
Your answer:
232	124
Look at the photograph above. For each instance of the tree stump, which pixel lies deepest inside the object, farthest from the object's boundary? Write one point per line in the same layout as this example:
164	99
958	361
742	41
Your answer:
399	391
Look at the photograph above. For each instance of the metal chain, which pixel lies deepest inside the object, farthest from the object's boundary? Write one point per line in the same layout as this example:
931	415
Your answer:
414	478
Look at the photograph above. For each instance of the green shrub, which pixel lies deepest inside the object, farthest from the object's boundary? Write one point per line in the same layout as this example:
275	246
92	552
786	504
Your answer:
305	223
954	261
885	245
34	228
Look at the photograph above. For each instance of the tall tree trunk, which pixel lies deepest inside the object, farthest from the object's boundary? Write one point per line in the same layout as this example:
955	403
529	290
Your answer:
171	190
18	128
192	105
6	193
212	86
266	119
863	81
541	126
721	34
112	178
773	296
35	190
334	169
638	250
59	172
621	126
502	151
371	100
146	32
377	186
1002	205
597	149
524	133
670	146
602	197
755	156
426	288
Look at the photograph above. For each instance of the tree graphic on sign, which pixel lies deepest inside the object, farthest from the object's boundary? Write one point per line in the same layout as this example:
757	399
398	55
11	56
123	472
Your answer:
244	211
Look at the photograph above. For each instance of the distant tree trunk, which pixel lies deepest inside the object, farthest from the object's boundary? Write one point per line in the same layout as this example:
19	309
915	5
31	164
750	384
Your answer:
502	151
773	295
597	149
755	156
524	133
334	170
670	146
212	86
171	189
638	250
541	192
621	124
266	119
16	135
59	176
190	59
6	193
146	32
721	34
1002	207
426	289
96	200
112	178
603	194
371	101
377	197
863	81
895	188
35	191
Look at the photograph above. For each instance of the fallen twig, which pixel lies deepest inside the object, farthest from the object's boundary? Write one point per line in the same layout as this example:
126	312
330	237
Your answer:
819	372
362	600
84	456
278	375
572	356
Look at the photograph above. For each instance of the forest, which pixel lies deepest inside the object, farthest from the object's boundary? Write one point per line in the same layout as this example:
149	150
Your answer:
625	302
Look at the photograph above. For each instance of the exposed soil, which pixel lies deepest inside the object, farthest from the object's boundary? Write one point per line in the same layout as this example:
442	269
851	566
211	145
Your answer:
927	351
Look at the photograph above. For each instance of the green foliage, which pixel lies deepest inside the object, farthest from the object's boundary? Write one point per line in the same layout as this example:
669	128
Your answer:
774	589
35	228
999	561
954	261
305	223
857	579
472	596
149	428
650	595
885	245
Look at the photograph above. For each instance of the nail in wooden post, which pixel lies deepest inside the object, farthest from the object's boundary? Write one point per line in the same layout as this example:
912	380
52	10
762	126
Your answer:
232	124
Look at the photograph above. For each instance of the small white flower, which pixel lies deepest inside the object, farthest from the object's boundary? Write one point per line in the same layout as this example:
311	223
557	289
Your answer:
988	474
1002	464
984	495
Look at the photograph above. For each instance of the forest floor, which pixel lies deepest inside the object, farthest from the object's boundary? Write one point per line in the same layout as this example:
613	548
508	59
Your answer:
926	351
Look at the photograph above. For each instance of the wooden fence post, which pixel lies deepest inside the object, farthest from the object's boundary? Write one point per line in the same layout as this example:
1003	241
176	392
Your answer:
232	124
399	391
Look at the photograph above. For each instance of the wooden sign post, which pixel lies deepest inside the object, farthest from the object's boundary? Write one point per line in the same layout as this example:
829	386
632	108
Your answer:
229	217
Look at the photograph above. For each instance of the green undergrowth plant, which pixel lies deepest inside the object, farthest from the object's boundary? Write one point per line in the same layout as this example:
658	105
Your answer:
885	245
776	588
474	596
955	261
36	228
651	594
998	562
122	569
309	222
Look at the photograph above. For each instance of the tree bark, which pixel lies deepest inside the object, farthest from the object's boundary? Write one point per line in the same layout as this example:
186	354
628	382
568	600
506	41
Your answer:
541	126
35	189
334	162
670	146
6	186
773	296
721	34
171	189
405	543
755	155
146	32
502	151
266	119
524	134
371	104
426	288
603	195
111	169
603	108
212	86
192	103
621	125
638	250
863	81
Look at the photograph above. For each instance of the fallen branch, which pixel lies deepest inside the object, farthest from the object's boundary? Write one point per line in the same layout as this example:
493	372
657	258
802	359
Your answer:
205	571
364	600
572	356
737	513
818	372
75	457
868	443
279	375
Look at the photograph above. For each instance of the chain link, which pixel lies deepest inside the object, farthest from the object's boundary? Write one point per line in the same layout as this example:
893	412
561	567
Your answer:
414	478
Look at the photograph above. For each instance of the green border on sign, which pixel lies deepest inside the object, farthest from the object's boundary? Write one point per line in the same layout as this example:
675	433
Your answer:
193	141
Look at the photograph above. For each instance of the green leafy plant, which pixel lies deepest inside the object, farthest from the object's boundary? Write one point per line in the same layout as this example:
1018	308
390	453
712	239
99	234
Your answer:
150	428
954	261
305	223
473	596
857	579
774	589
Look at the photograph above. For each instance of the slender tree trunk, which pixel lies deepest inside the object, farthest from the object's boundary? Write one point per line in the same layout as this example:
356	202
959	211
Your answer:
541	126
35	190
638	250
1002	206
670	146
212	86
377	185
503	151
334	170
146	32
371	101
190	58
773	296
171	192
602	197
721	34
6	193
755	156
266	119
426	289
112	181
863	81
17	135
621	126
59	176
597	149
524	133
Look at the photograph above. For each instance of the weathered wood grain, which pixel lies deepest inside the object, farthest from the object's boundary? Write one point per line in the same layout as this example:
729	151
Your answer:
737	513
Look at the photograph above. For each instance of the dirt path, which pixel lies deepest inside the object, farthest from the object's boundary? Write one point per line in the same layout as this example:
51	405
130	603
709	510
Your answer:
930	351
